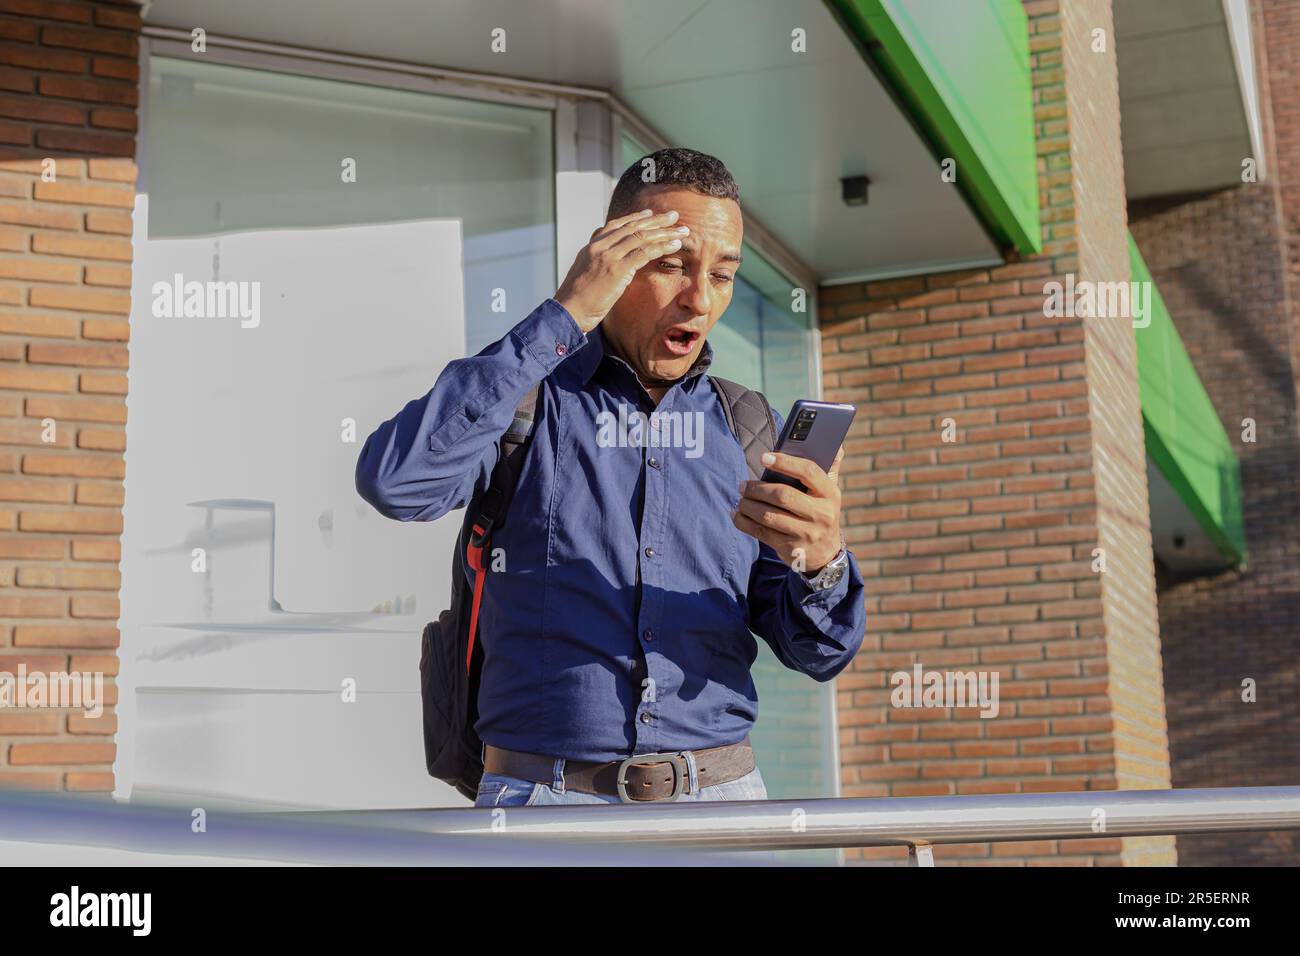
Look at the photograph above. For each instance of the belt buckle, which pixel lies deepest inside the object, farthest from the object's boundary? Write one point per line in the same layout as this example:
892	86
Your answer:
669	757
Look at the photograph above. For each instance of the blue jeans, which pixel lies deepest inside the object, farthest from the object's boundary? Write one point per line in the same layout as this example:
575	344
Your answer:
498	790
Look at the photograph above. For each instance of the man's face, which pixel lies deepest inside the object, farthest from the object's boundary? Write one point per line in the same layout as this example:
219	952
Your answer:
659	324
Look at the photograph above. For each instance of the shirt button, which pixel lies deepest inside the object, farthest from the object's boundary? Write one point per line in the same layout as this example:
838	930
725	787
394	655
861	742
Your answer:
653	463
561	348
645	717
649	635
649	552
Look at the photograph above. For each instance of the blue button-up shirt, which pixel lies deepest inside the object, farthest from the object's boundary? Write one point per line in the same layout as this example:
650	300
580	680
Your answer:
617	619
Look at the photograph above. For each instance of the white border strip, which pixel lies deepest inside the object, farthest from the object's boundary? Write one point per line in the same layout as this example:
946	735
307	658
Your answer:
437	76
1240	37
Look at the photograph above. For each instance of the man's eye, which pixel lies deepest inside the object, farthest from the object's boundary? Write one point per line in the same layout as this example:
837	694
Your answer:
722	277
669	264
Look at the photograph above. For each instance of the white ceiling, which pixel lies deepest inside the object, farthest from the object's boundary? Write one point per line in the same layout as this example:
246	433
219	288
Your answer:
1186	123
1177	538
716	75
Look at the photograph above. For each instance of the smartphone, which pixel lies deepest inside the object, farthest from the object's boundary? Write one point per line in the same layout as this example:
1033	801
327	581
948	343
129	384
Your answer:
813	430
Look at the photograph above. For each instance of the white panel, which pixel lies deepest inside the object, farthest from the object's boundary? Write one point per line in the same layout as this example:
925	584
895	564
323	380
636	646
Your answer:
233	428
287	750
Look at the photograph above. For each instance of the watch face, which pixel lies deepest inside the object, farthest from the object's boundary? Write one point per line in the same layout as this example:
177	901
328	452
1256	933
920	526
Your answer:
830	575
834	575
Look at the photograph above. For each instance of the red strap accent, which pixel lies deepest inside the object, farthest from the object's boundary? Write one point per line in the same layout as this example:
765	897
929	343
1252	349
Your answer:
475	558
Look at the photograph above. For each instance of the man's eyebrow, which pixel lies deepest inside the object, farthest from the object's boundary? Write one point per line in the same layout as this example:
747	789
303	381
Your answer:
692	246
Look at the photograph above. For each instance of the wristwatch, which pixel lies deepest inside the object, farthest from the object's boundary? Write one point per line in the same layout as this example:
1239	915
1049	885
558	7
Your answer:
830	575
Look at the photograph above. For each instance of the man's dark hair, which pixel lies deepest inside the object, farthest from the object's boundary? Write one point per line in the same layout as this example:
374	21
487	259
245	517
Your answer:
687	168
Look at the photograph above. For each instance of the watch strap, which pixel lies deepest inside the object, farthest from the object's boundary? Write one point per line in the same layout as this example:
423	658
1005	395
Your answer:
841	559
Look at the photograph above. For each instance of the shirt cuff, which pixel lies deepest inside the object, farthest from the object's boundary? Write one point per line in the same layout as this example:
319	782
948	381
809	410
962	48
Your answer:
808	597
550	334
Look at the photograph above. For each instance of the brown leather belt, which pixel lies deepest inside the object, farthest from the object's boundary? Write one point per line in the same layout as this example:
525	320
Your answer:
637	779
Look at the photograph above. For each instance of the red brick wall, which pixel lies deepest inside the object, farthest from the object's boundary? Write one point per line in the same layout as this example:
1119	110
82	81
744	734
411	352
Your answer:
978	553
1279	22
1226	265
68	93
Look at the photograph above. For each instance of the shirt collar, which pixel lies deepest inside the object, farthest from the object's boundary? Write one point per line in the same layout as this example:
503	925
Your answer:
596	351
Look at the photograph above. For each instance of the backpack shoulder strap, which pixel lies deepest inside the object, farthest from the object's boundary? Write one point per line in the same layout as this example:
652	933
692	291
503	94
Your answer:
750	418
491	507
489	510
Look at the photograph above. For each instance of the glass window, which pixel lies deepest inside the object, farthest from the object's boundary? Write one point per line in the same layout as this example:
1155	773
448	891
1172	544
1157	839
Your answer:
269	615
232	149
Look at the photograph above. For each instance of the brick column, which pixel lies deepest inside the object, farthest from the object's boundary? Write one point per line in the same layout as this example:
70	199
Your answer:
68	96
1135	684
979	551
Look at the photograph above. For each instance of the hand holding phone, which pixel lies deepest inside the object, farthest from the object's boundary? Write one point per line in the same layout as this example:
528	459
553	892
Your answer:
815	431
800	519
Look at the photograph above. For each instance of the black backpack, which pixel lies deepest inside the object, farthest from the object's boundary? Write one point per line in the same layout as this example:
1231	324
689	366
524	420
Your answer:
451	658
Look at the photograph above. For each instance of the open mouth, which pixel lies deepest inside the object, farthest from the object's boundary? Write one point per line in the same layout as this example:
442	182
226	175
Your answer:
680	341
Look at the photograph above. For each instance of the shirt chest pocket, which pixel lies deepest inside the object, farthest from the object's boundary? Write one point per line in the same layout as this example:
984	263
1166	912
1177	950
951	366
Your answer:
696	504
712	646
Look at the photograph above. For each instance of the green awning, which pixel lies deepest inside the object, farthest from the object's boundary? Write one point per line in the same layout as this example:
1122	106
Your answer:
962	73
1184	437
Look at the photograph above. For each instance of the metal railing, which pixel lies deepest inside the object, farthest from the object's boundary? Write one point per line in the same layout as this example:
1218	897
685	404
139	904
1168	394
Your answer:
36	827
915	822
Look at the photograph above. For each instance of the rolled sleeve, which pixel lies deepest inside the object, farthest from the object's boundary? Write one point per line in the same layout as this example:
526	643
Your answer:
438	451
817	633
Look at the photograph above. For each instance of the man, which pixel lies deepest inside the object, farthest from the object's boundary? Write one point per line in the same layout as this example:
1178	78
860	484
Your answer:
634	572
